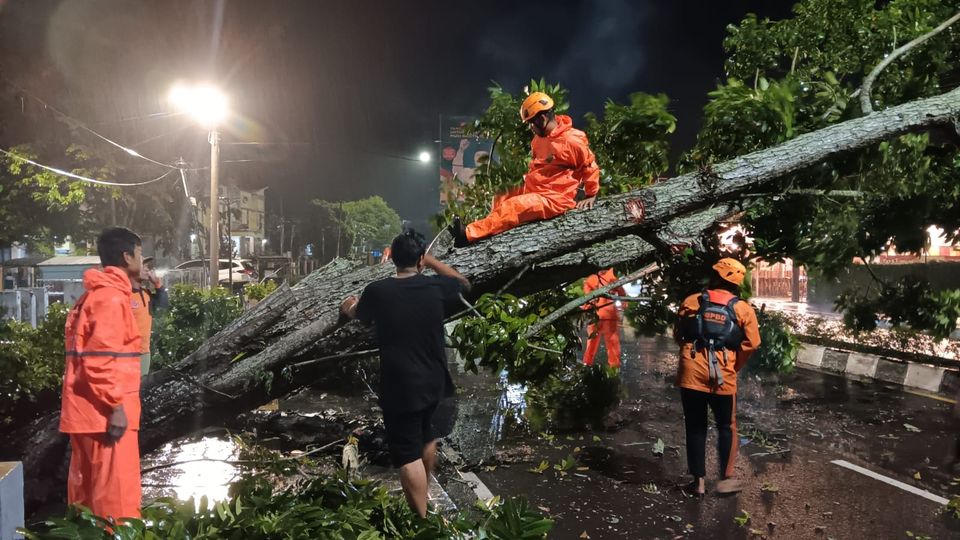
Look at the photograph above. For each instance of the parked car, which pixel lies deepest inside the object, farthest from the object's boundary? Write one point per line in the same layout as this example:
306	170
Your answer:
243	270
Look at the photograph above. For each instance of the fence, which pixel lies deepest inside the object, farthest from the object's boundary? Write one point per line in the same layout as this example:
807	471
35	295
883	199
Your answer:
25	305
192	276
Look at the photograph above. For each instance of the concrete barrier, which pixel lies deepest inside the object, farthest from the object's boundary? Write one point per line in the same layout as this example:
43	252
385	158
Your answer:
917	375
11	499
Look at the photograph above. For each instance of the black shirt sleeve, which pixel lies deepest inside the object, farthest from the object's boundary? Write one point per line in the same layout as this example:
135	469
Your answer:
450	290
367	306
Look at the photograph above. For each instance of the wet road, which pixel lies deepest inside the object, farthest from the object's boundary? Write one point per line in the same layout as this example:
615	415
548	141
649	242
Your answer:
791	430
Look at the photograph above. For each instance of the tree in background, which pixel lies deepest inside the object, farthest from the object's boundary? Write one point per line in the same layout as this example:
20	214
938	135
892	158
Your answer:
362	226
39	207
830	62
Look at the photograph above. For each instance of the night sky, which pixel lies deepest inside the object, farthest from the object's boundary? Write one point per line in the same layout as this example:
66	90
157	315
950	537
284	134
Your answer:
337	93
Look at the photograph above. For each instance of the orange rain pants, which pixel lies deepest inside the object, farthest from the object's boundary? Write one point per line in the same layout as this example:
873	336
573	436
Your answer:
510	211
609	331
608	326
105	477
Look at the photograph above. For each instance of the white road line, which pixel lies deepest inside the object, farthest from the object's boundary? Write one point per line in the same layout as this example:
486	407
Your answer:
895	483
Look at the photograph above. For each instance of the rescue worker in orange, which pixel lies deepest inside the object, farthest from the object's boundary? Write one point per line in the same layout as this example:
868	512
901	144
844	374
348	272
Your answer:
148	295
561	165
607	327
101	383
717	333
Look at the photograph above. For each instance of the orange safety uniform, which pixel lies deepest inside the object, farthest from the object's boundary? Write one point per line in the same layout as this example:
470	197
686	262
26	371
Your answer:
562	161
103	347
141	313
693	372
607	327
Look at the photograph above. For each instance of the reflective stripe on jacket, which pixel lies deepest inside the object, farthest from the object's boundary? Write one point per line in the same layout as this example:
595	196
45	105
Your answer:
103	350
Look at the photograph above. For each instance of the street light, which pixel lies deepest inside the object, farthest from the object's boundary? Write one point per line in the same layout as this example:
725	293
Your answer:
209	107
424	157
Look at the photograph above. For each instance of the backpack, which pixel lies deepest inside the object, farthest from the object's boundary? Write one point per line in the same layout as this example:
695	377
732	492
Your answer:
714	328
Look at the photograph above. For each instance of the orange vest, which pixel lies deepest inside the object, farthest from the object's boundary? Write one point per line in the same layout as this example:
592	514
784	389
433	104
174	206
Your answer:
103	348
140	303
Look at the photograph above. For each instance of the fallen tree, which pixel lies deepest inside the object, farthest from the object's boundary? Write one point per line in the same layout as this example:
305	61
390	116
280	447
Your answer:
246	364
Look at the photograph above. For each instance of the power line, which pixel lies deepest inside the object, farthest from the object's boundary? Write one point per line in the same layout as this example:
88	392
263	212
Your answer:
84	178
83	126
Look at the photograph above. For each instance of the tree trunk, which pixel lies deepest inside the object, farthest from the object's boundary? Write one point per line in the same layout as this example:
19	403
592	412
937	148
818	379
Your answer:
244	365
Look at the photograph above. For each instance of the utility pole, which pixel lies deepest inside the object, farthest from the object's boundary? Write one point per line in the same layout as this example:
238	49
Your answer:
229	241
293	232
283	220
339	227
214	139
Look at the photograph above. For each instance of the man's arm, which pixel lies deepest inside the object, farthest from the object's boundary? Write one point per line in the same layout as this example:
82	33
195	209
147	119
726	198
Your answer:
588	173
362	308
349	306
751	335
443	269
687	308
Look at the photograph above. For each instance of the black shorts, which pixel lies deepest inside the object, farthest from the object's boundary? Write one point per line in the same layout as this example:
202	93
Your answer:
408	433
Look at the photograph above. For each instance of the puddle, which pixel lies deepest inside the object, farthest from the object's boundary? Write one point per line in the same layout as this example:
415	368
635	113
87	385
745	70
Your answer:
201	470
626	468
510	408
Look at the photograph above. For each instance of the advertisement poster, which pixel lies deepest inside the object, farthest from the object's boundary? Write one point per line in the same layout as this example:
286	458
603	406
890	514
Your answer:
460	156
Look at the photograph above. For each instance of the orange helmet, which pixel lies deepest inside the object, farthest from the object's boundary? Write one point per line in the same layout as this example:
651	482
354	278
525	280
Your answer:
731	270
536	102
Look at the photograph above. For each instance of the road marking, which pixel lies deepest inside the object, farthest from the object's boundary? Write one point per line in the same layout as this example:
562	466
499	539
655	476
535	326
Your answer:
895	483
929	395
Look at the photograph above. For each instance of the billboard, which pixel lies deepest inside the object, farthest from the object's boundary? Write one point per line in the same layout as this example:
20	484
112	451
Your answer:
460	156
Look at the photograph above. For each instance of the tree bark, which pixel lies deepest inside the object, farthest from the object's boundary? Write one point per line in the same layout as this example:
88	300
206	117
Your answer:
244	365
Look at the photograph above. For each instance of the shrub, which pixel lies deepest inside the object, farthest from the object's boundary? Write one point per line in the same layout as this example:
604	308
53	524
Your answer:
778	348
259	291
31	365
194	315
578	397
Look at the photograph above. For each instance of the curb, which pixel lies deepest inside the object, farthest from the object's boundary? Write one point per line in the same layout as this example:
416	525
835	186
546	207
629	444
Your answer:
916	375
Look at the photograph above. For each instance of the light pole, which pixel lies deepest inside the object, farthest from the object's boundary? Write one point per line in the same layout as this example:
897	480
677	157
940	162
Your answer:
208	106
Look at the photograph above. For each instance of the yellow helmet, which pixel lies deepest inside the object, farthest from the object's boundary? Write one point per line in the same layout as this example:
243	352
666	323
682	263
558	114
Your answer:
535	103
730	270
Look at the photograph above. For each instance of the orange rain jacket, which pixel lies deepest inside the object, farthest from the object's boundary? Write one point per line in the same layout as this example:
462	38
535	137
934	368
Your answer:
103	350
561	162
605	308
693	371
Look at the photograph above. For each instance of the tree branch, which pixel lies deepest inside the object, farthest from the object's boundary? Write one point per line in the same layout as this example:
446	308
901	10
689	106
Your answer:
868	81
343	356
577	302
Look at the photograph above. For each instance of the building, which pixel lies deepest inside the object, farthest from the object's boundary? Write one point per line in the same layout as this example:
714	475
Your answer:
242	218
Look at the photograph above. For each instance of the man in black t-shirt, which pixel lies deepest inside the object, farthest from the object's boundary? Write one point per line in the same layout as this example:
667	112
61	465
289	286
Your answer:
408	311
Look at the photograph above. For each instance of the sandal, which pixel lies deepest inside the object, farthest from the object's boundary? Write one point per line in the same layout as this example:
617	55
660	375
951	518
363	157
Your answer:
694	488
729	486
